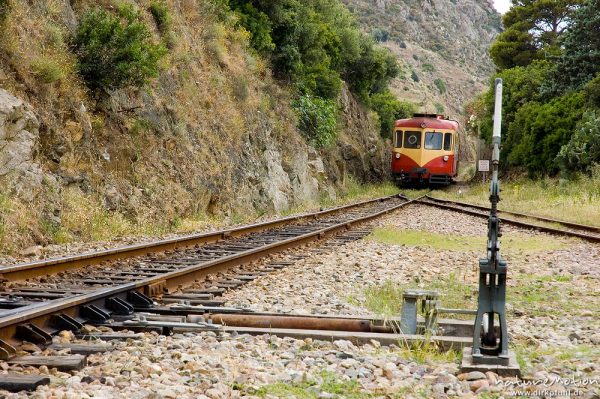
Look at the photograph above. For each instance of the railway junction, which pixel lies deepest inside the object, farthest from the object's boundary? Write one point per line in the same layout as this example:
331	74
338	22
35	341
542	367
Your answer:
282	305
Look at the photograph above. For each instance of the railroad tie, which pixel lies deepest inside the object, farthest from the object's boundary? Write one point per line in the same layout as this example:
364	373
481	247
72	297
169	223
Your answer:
22	382
62	363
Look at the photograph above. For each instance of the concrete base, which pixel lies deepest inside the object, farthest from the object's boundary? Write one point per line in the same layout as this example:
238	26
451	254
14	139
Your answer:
511	370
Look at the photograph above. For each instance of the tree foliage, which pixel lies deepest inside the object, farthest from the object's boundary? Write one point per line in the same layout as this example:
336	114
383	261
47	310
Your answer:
545	97
582	151
540	130
116	50
580	60
316	44
532	31
390	109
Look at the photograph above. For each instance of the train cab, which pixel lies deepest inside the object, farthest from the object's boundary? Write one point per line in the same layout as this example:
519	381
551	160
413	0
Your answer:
425	150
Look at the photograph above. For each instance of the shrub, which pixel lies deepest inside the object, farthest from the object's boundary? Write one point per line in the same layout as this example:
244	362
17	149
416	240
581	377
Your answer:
47	70
381	35
583	150
427	67
439	108
390	109
415	77
317	119
160	13
116	51
441	86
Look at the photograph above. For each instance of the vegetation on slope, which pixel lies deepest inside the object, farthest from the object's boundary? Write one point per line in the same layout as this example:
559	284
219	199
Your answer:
315	45
122	152
550	63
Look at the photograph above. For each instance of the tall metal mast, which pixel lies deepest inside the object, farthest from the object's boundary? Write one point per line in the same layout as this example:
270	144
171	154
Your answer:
491	347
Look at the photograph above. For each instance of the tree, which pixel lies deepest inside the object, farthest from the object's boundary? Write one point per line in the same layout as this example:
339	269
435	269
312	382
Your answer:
532	31
583	150
580	61
540	130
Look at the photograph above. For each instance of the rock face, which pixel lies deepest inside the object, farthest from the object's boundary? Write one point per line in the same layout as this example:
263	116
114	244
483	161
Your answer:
213	134
19	138
442	46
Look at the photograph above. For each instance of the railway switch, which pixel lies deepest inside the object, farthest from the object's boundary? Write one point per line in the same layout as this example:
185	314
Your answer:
490	339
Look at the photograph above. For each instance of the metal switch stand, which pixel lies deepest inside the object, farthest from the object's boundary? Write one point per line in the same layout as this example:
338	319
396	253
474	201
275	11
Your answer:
490	346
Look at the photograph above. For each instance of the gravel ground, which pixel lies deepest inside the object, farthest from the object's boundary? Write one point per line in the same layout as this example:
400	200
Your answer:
555	327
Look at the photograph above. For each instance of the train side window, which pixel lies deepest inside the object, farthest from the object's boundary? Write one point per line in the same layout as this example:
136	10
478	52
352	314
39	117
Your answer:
433	141
412	139
447	141
399	139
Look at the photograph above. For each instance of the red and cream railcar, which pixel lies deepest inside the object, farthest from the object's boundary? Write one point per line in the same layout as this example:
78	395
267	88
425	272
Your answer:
425	150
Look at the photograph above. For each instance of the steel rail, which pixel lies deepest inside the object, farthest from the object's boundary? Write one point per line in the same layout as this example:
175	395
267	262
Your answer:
56	265
565	223
460	207
41	315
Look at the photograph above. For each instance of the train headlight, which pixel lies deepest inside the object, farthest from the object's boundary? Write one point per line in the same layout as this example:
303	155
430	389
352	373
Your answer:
397	155
446	158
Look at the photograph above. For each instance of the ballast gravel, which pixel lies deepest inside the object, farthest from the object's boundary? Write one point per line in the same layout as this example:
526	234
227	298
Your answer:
204	365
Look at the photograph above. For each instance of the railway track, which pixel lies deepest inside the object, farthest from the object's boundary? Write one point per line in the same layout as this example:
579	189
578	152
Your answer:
547	225
42	298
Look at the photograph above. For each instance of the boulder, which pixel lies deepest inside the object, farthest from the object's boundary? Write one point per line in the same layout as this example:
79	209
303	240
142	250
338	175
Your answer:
19	138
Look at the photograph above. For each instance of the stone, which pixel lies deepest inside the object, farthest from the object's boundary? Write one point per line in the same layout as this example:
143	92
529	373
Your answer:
32	251
19	138
30	347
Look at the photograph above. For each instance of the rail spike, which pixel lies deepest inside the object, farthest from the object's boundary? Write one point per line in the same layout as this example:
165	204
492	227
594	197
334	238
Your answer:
491	347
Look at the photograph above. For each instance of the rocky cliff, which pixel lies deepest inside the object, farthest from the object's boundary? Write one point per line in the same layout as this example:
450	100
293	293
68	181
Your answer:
442	46
214	134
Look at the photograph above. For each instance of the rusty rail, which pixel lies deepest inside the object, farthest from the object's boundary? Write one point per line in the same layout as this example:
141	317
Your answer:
56	265
43	316
482	211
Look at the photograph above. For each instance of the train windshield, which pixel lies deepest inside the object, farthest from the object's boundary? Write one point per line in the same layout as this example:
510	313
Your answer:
433	141
412	139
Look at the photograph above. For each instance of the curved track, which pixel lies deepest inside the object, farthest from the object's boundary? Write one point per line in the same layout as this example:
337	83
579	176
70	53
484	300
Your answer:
553	226
83	290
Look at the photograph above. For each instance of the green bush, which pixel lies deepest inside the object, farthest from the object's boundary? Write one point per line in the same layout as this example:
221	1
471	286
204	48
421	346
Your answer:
160	13
116	51
427	67
415	77
390	109
315	44
540	130
317	119
441	86
583	150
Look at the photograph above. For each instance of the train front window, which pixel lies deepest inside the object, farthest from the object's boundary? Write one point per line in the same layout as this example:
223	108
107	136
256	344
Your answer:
433	141
399	139
447	141
412	139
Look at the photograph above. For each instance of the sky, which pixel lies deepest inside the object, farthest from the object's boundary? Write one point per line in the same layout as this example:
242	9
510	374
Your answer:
502	5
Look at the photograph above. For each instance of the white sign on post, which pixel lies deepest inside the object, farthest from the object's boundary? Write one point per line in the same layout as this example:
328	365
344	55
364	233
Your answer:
484	165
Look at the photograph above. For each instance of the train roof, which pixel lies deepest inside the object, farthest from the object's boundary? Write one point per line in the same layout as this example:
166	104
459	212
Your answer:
432	121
